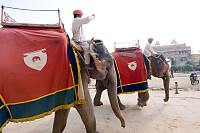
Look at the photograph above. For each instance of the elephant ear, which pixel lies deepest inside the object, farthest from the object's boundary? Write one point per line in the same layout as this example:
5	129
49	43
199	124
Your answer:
158	67
99	54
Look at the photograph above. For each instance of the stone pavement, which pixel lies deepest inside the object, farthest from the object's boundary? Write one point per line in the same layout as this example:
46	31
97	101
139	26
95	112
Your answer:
179	115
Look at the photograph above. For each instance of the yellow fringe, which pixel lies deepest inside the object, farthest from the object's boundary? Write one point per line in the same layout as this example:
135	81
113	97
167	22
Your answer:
76	95
2	106
157	56
133	92
99	43
78	67
4	125
5	105
118	74
41	96
44	114
133	83
149	65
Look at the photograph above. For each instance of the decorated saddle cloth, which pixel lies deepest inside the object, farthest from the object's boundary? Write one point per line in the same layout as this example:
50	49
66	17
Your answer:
38	74
132	70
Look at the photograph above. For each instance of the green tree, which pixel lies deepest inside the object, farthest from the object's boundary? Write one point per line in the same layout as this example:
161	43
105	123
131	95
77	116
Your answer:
174	68
189	62
188	68
182	68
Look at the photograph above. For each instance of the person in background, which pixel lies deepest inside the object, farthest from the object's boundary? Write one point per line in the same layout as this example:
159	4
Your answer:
78	35
172	73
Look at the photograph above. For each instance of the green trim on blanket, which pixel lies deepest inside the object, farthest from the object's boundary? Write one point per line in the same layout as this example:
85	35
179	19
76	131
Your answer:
140	91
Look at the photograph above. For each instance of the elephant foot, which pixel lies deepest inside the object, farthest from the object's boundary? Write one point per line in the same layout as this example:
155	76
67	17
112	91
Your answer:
142	104
121	106
98	103
166	99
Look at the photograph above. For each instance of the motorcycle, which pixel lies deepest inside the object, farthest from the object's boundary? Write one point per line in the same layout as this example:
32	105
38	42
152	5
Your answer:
194	79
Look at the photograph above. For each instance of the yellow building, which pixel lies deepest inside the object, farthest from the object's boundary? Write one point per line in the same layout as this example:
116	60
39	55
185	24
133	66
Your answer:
177	53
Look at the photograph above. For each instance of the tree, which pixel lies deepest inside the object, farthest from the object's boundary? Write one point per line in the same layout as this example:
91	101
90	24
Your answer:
188	62
188	68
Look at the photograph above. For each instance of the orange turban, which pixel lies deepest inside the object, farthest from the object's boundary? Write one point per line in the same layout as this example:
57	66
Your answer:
78	12
150	39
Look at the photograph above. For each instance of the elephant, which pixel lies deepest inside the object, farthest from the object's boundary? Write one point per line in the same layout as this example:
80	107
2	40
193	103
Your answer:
102	63
103	70
159	69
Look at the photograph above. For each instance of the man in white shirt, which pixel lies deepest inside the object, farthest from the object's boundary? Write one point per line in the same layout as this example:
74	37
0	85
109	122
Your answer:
78	35
148	50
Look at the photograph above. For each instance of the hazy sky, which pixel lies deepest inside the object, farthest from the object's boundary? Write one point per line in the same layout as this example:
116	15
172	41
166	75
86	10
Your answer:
126	20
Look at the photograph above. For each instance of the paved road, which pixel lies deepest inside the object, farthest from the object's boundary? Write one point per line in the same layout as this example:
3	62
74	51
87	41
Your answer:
179	115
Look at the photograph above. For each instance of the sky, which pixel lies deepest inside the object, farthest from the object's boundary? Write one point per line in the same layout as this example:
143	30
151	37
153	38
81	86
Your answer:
123	21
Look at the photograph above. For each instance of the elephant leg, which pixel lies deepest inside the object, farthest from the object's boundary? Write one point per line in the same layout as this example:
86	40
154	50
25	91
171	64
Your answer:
143	98
87	114
60	120
87	117
166	80
99	89
86	110
121	106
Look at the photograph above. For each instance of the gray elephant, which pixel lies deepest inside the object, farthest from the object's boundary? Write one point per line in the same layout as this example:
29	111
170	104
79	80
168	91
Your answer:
104	70
158	69
32	51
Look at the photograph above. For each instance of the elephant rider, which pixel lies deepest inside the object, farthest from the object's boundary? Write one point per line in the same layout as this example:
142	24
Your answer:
148	50
78	35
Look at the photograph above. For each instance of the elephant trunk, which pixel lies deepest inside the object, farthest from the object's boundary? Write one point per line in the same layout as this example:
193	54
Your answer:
166	80
160	70
115	106
111	85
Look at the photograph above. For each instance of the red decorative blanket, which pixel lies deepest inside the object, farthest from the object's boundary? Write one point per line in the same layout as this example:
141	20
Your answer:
37	76
131	71
27	54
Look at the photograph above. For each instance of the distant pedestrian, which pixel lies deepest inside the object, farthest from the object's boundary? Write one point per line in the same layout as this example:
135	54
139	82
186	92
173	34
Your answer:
172	73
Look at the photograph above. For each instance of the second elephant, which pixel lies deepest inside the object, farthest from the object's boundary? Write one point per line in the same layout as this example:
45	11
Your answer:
156	68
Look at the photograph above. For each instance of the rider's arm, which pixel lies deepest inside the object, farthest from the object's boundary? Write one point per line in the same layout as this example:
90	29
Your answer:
85	20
